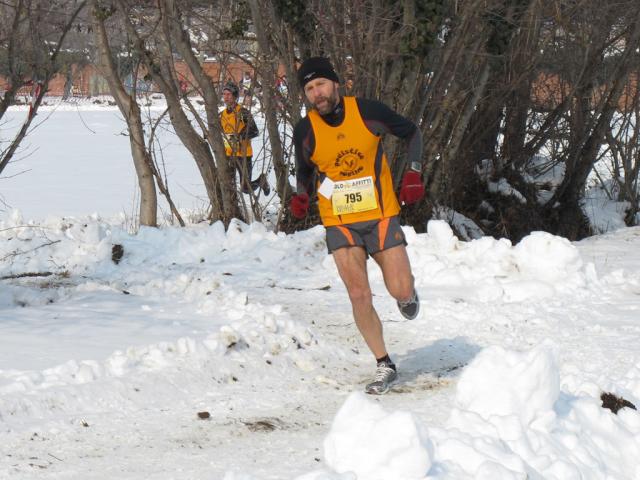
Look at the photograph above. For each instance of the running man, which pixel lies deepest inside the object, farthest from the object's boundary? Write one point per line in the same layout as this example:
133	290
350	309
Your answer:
339	156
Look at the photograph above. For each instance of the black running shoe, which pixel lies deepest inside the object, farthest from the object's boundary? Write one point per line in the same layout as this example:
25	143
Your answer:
385	376
411	307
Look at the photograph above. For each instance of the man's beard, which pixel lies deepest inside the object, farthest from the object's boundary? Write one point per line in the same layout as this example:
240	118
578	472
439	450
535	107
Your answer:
326	105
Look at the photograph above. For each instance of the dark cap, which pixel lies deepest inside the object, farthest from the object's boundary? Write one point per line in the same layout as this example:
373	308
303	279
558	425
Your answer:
233	88
316	67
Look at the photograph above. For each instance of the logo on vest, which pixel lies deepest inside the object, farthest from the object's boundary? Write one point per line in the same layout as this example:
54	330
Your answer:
349	162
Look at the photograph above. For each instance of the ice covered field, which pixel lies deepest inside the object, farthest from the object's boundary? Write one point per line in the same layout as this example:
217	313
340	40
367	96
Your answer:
77	159
206	354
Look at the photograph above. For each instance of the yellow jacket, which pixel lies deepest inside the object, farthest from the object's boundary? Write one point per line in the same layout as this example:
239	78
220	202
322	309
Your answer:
238	128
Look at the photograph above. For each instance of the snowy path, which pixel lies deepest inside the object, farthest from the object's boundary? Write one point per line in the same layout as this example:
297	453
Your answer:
272	390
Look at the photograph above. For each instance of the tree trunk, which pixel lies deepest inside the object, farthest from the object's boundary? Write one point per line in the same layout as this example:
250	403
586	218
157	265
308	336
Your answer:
269	94
196	145
131	112
177	36
586	147
15	78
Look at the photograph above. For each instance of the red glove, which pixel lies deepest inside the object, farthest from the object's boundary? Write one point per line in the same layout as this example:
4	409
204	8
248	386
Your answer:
299	205
412	189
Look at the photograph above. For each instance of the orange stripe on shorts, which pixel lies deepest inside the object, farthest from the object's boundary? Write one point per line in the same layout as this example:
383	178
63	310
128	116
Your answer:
347	234
383	226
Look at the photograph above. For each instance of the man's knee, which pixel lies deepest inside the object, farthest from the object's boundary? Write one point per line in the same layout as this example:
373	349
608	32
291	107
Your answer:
360	295
402	289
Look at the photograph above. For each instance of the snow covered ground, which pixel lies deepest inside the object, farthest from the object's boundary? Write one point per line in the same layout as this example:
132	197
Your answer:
79	150
205	354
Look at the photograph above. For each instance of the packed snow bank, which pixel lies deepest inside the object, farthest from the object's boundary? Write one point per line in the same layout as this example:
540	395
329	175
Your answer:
76	243
376	444
510	421
532	429
80	250
532	379
205	268
540	266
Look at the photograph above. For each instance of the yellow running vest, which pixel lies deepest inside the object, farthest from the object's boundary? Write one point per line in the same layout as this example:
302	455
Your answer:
360	186
232	125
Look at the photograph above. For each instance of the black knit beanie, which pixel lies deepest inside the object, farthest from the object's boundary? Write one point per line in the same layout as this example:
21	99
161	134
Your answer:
233	88
316	67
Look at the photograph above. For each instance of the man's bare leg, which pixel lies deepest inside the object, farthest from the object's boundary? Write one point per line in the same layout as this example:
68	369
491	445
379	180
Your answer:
352	267
396	271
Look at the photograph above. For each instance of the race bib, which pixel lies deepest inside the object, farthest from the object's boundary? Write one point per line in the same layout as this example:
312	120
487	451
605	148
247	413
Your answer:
353	196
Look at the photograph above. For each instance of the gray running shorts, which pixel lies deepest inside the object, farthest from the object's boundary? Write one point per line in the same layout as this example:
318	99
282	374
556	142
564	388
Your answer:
373	235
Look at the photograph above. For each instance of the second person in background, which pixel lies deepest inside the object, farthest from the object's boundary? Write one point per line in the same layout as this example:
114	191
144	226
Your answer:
238	128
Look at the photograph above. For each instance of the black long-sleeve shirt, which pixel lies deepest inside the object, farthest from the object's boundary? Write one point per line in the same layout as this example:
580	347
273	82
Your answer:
378	118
